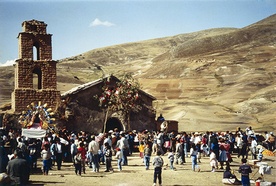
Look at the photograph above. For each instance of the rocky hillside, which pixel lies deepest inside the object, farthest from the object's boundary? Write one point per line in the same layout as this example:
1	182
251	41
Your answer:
215	79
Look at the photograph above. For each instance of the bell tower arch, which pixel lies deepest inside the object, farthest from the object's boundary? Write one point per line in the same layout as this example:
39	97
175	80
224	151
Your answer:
35	71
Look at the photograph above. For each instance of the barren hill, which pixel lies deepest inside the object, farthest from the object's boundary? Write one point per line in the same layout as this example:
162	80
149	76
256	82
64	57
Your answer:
214	79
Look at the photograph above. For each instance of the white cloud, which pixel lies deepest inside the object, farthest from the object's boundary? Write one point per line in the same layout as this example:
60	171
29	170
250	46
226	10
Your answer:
8	63
98	22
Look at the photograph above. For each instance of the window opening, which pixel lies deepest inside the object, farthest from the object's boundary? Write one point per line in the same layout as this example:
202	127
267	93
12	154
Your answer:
37	78
36	52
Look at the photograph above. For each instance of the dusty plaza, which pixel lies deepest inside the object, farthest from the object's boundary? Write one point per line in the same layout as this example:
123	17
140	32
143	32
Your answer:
135	174
108	115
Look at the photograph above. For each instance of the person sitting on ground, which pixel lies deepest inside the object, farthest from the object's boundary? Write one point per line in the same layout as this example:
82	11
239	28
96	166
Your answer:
229	178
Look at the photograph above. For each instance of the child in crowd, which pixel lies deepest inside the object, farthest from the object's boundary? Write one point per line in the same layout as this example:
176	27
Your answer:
108	157
158	164
147	155
171	158
119	156
77	163
199	152
46	158
141	148
179	153
83	156
213	161
193	154
88	159
205	150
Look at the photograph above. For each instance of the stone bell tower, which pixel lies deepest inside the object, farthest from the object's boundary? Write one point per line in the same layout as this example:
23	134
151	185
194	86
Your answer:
35	71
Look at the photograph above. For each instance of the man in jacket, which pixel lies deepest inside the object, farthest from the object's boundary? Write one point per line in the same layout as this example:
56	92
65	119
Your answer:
18	169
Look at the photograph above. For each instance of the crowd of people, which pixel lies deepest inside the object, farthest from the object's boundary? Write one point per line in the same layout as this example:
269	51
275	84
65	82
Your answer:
88	151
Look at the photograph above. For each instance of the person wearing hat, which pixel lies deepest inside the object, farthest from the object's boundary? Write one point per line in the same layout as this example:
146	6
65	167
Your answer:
18	169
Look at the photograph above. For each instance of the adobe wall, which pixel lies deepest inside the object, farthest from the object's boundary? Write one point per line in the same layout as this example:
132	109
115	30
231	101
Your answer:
28	40
25	96
87	116
35	65
24	71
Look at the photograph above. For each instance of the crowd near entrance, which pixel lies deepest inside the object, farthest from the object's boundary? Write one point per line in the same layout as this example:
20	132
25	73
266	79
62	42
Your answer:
96	152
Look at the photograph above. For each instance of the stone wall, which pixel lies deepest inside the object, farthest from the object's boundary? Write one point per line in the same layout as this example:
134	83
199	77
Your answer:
27	42
34	26
23	97
88	116
24	73
35	35
30	69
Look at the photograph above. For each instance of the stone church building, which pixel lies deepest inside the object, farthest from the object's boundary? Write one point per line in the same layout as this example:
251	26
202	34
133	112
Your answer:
84	113
36	81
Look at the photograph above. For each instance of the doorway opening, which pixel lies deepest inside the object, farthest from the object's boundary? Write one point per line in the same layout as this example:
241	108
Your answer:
113	123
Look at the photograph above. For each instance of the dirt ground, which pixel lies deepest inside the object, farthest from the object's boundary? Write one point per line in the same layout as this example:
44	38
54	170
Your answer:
135	174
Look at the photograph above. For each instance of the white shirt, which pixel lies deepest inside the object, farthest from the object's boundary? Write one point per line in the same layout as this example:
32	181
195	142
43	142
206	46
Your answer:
239	141
108	140
197	139
254	143
193	152
93	147
123	143
160	138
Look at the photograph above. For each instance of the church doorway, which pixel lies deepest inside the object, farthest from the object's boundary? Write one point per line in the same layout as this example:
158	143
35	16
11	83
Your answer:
113	123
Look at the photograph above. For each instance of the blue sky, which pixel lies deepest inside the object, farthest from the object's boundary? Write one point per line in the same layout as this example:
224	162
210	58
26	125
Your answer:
80	26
